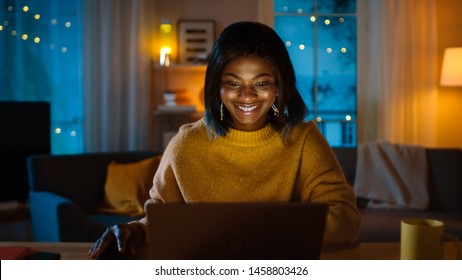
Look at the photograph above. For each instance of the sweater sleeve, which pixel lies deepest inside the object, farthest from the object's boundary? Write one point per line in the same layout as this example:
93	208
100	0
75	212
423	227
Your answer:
323	181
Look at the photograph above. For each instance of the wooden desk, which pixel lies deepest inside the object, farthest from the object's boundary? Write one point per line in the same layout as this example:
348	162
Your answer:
364	251
68	250
377	251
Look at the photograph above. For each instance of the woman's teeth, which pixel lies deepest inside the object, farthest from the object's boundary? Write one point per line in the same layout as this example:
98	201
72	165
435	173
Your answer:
247	109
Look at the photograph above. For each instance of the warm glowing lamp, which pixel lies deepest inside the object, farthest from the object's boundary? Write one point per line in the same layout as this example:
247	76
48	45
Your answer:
165	43
165	53
451	75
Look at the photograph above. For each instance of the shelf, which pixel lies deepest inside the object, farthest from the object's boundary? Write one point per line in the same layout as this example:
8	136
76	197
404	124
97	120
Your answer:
186	81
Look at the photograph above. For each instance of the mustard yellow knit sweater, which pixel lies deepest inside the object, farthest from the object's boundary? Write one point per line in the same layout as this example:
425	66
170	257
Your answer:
257	166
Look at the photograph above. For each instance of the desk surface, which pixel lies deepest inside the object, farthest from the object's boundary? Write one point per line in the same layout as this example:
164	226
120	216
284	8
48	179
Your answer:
377	251
363	251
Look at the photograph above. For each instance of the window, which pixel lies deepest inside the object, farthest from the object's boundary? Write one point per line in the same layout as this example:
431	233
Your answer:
320	36
41	53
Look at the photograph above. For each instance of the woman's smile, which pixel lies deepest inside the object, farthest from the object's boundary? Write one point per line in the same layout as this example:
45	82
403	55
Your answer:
247	109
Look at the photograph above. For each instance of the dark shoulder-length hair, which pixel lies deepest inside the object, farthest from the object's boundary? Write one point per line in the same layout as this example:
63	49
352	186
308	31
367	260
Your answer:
253	38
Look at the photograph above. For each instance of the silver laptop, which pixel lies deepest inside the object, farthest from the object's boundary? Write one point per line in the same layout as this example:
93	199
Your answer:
239	231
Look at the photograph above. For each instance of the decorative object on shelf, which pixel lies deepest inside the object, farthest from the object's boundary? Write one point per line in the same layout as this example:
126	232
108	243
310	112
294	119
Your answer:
451	74
195	40
169	98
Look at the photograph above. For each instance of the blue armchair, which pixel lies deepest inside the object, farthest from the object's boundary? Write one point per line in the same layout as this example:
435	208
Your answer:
65	190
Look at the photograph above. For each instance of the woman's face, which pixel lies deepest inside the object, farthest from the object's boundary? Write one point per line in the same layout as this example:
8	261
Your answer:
248	89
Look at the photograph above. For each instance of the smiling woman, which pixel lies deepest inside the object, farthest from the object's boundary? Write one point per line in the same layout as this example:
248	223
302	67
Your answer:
253	145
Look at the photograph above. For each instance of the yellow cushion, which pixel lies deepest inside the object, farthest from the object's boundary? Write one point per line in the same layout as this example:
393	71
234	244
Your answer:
127	187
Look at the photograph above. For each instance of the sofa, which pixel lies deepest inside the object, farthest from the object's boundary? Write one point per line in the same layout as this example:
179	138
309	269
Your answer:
65	190
445	192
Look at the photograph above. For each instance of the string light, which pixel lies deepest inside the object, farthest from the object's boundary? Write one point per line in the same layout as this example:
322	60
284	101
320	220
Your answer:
343	50
329	50
313	18
36	16
327	22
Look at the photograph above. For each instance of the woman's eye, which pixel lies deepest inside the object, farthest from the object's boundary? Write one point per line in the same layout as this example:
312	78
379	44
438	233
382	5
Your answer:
232	83
262	84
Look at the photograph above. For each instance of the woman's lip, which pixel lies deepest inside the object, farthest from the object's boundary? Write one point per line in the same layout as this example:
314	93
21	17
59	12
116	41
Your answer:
247	108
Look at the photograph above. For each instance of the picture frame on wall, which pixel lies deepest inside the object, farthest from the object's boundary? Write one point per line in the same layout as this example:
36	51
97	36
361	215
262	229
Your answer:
195	40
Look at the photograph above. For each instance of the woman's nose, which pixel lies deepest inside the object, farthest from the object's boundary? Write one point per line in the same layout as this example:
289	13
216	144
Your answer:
247	92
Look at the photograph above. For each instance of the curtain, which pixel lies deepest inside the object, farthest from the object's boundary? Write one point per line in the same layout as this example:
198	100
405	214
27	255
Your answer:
397	87
117	35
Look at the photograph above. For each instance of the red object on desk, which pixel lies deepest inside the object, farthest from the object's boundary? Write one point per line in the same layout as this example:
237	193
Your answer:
16	252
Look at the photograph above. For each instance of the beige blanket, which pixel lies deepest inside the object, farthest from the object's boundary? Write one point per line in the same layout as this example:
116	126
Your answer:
392	175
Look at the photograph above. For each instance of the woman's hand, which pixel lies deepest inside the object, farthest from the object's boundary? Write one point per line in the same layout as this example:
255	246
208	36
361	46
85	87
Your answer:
125	236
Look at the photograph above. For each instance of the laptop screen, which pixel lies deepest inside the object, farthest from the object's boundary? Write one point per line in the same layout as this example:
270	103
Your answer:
241	231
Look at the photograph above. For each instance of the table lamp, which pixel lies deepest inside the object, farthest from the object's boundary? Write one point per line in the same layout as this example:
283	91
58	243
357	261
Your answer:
451	74
165	42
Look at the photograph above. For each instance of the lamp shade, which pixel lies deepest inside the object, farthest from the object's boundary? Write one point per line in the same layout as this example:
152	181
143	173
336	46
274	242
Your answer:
451	74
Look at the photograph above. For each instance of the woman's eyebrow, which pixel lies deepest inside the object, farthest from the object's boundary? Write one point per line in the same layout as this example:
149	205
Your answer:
264	75
256	77
232	75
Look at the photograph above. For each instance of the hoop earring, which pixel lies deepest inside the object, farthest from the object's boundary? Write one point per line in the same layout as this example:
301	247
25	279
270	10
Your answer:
275	109
221	111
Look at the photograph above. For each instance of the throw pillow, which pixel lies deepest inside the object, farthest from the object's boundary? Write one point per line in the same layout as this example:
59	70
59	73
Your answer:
127	187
